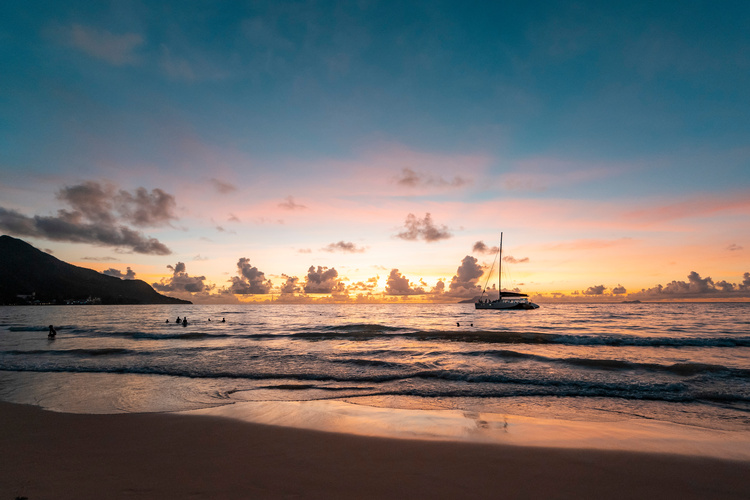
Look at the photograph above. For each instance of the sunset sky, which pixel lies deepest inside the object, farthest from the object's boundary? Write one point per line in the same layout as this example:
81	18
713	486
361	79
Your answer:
306	150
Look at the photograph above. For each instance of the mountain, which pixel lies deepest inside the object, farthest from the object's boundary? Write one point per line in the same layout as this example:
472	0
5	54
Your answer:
24	270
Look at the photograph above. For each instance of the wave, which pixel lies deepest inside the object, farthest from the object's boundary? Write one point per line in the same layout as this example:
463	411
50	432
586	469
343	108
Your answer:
452	384
359	332
683	369
370	331
78	352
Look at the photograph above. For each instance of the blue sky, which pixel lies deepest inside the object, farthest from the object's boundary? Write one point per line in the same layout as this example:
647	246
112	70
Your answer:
572	121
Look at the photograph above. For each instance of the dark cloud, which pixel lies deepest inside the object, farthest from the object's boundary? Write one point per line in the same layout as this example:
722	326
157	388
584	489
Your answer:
423	229
411	178
343	246
696	286
129	275
99	259
71	227
144	209
725	286
291	285
322	280
595	290
181	281
464	282
222	187
397	284
98	216
512	260
289	204
481	247
619	290
103	203
734	247
250	281
365	286
439	288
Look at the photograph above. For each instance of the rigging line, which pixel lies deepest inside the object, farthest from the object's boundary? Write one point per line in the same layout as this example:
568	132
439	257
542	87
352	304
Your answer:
490	273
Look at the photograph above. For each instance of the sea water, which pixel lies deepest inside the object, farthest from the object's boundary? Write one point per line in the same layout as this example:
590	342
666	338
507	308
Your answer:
684	363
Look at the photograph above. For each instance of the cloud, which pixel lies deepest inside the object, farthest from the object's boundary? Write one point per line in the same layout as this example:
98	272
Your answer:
481	247
129	275
343	246
250	281
619	290
512	260
695	287
734	247
71	227
595	290
116	49
289	204
233	218
411	178
146	209
222	187
423	229
98	259
396	284
102	203
368	286
98	214
181	281
464	282
322	280
291	285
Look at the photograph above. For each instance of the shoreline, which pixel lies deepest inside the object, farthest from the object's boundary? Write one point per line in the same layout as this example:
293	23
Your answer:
169	455
637	435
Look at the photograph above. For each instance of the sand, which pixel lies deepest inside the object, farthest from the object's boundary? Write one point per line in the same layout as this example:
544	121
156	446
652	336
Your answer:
48	455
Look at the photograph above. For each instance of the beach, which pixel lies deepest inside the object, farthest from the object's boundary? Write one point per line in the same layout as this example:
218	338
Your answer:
435	401
50	455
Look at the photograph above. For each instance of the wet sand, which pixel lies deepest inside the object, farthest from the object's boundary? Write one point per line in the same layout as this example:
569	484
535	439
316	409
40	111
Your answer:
50	455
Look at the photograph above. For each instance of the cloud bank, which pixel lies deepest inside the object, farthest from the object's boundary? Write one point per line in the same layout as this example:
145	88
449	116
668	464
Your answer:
99	216
128	275
181	281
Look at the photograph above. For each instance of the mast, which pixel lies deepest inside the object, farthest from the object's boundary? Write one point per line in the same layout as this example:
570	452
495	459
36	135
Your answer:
500	270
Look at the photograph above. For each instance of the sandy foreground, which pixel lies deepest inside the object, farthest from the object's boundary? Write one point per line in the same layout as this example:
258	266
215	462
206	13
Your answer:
48	455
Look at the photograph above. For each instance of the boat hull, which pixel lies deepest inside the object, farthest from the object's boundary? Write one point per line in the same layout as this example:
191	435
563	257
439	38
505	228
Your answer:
505	305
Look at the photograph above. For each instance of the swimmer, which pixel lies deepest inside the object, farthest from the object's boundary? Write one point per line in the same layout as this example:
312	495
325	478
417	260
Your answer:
458	324
52	332
167	320
223	320
184	321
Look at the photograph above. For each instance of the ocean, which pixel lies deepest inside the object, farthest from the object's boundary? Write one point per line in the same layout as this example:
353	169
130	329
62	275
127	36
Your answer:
684	363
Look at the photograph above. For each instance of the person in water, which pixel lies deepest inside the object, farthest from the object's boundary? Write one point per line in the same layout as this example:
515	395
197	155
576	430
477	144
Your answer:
52	332
184	321
178	320
223	320
167	320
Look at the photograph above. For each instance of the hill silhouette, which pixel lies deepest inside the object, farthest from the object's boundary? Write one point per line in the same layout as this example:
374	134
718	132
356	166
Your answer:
25	270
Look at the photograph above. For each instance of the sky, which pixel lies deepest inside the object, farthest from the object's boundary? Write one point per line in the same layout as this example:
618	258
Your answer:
372	151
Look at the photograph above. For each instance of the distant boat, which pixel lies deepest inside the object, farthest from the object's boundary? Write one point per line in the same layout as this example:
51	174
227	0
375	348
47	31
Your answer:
506	300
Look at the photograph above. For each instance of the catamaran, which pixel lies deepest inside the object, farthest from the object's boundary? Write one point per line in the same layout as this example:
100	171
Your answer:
506	300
